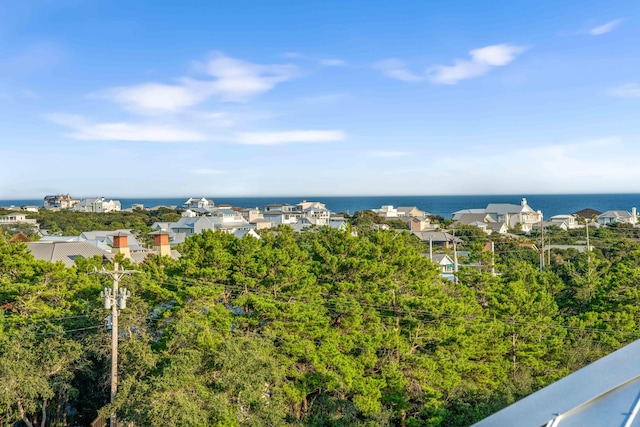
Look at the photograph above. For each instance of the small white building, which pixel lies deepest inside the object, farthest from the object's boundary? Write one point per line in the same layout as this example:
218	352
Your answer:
194	203
16	218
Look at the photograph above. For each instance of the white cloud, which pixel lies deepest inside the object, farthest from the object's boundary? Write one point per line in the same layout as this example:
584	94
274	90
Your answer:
386	154
629	90
287	137
398	70
333	62
143	132
205	171
482	60
229	79
603	29
157	97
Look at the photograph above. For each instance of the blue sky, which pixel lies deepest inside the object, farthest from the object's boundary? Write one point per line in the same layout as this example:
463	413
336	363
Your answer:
311	98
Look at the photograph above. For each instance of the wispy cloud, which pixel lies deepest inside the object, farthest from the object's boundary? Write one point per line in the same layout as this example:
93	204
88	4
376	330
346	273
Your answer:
386	154
228	79
333	62
142	132
288	137
482	61
629	90
605	28
397	69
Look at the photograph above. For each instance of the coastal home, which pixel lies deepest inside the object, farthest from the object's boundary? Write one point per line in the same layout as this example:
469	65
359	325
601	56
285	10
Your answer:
261	223
229	219
387	211
251	214
510	214
338	222
24	208
618	217
60	201
420	224
318	215
566	222
497	227
16	218
278	217
66	252
97	204
588	214
190	225
483	221
437	238
195	203
446	265
107	237
411	212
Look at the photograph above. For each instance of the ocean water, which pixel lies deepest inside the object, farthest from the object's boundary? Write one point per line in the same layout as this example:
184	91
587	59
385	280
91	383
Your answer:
549	204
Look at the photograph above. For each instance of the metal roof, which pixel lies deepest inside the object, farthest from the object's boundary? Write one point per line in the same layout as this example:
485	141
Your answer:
604	393
64	251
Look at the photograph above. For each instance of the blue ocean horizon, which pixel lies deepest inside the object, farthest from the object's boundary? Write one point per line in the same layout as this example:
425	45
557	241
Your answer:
549	204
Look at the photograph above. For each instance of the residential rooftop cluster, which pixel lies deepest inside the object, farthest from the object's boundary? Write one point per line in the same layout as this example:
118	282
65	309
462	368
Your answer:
200	214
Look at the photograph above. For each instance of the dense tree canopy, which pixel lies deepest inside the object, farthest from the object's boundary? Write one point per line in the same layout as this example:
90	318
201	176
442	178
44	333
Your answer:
317	328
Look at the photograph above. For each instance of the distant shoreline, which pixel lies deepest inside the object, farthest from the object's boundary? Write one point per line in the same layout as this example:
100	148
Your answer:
549	204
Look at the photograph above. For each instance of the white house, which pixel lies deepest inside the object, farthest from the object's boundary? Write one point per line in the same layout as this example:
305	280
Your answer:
446	265
228	218
507	213
98	204
387	211
60	201
194	203
564	221
618	217
16	218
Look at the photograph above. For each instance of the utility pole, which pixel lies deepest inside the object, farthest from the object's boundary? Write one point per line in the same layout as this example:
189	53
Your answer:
493	258
115	299
588	252
455	260
431	248
541	246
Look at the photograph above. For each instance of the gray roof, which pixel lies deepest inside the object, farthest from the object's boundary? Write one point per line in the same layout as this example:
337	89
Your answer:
603	393
504	208
438	258
615	214
98	234
495	226
436	236
469	218
64	251
470	211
